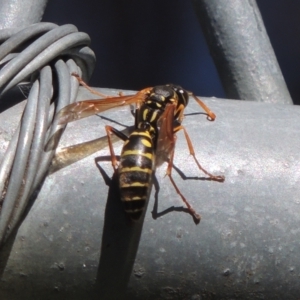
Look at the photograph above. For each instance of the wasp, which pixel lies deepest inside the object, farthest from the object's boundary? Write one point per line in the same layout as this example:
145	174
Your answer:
158	117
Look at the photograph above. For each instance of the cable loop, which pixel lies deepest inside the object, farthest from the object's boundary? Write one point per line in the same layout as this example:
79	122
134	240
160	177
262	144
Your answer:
44	54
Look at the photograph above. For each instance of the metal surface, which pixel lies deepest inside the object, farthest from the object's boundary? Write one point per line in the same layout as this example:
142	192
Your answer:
241	50
75	242
21	13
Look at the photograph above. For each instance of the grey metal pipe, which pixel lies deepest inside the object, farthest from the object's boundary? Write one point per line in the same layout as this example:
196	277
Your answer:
76	243
21	13
241	49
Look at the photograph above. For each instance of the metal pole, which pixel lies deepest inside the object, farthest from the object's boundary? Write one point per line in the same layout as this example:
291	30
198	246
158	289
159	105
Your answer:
241	49
21	13
76	243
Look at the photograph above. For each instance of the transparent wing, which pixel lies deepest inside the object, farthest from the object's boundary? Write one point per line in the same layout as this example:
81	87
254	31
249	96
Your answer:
86	108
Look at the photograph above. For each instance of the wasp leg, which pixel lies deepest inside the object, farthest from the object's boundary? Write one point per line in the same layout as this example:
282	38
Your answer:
110	130
210	114
81	82
196	216
156	214
219	178
165	150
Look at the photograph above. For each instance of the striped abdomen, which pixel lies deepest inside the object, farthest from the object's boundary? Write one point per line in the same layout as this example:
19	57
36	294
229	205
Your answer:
135	172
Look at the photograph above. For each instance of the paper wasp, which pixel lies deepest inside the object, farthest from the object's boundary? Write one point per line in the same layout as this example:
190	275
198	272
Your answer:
158	117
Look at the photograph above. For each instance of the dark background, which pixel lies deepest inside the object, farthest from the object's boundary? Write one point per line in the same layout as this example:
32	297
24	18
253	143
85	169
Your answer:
145	43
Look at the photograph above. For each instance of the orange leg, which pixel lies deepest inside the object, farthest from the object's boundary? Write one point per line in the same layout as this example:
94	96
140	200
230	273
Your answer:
219	178
169	173
110	130
210	114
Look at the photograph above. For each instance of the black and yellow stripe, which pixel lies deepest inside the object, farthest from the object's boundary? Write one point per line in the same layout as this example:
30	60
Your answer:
137	160
135	172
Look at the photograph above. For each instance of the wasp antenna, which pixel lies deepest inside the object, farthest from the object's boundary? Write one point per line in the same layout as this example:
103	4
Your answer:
85	85
75	74
210	115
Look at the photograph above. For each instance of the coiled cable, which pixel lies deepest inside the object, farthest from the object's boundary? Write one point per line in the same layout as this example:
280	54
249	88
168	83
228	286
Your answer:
48	53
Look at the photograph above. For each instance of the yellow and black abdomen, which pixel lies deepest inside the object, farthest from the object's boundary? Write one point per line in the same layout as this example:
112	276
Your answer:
135	172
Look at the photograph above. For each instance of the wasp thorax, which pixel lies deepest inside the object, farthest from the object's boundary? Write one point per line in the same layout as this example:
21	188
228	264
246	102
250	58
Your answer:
162	94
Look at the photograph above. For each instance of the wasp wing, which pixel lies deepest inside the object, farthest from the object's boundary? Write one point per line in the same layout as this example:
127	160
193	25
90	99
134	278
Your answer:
166	137
86	108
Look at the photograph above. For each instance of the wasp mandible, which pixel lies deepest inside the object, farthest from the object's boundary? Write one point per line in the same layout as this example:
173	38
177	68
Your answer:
158	117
